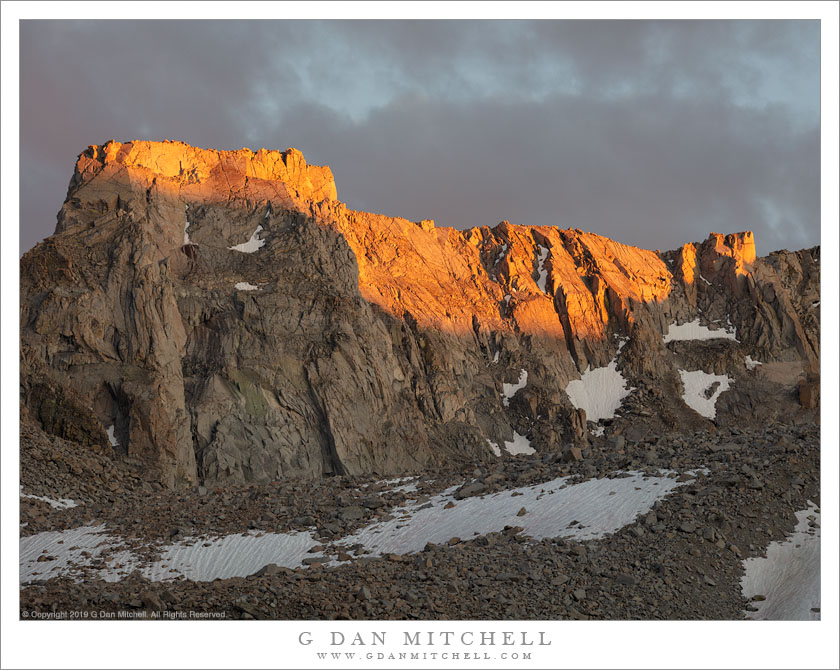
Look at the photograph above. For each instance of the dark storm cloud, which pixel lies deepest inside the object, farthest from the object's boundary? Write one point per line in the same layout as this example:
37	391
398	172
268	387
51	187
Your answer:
652	133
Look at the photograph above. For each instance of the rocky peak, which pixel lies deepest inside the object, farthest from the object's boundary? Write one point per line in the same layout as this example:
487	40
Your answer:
109	176
229	320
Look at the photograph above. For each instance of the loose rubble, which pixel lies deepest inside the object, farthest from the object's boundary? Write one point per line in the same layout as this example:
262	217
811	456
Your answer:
681	560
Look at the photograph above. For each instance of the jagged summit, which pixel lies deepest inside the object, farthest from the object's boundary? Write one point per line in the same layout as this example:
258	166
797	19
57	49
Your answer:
231	320
204	176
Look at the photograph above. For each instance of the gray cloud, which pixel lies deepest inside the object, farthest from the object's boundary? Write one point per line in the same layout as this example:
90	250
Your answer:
654	133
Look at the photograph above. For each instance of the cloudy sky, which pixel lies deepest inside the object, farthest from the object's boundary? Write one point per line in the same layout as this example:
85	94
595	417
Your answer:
653	133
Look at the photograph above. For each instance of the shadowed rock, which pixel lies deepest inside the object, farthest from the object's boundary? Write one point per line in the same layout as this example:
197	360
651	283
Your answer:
367	343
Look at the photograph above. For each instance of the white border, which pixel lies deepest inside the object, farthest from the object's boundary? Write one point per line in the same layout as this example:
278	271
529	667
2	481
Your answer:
575	644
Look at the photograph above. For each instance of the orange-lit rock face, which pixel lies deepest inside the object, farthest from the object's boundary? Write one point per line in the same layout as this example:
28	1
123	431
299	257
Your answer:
740	247
235	322
556	284
687	263
564	285
190	175
537	280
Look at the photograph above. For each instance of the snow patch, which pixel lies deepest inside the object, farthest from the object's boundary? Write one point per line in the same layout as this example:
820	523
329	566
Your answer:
694	331
789	578
543	272
750	363
599	392
494	448
509	390
597	431
186	226
230	556
502	253
66	546
696	383
599	506
61	503
236	555
245	286
496	357
111	437
252	244
519	445
404	484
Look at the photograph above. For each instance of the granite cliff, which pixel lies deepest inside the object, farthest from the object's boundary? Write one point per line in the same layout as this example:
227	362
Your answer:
221	317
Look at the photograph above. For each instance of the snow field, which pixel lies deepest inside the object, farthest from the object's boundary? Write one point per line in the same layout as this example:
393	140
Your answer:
695	385
694	331
598	506
789	578
252	244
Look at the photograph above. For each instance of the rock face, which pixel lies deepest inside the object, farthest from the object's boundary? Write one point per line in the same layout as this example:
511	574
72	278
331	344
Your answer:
220	317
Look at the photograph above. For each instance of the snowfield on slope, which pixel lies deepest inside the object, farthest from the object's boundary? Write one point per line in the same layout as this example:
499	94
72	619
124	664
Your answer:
789	578
598	506
697	386
694	331
66	547
519	445
509	390
543	273
252	244
599	392
231	556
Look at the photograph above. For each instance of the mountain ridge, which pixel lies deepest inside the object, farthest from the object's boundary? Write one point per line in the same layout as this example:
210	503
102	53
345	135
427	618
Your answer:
233	321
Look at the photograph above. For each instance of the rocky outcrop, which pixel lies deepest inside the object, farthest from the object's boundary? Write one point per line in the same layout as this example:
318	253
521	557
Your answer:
233	322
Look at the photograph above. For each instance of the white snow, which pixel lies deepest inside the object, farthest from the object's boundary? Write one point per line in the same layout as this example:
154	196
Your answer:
509	390
61	503
600	506
406	488
230	556
599	392
507	299
496	357
245	286
815	304
68	554
519	445
543	272
694	331
708	283
750	363
391	482
186	226
695	384
789	578
237	555
251	245
494	448
111	437
621	342
404	484
502	253
597	431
